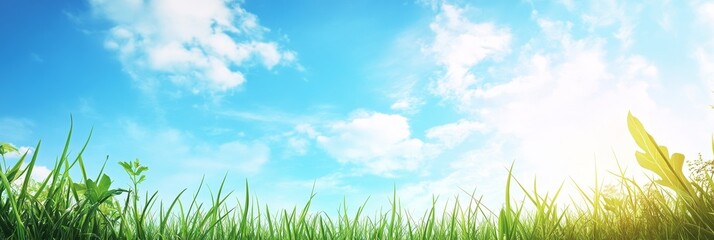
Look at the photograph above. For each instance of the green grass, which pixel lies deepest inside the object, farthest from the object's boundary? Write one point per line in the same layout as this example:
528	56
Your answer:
673	206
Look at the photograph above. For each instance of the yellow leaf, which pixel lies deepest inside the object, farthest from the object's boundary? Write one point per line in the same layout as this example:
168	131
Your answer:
656	158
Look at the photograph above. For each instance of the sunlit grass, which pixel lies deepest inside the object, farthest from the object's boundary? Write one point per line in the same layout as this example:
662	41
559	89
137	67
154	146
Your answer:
673	206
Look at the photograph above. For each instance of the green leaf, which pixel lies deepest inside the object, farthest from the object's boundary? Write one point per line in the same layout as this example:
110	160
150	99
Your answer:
79	186
503	223
91	193
141	179
141	169
14	172
6	148
127	167
104	183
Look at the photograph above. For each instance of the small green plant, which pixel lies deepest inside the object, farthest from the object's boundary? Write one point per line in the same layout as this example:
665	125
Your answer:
6	148
701	171
136	175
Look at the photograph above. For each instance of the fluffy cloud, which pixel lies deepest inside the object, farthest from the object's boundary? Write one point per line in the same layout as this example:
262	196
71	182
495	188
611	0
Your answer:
458	45
199	45
379	143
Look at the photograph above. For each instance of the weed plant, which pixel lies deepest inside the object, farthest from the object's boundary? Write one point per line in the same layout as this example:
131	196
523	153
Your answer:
669	206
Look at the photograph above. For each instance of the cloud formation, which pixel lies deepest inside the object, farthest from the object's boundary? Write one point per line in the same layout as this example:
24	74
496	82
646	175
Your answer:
378	143
198	45
458	45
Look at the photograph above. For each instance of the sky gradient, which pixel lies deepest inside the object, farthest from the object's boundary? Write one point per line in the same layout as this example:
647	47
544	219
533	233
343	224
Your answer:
356	97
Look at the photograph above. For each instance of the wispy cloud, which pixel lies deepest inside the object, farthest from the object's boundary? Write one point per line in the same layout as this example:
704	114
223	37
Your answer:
703	54
623	14
403	69
187	152
452	134
476	170
300	139
405	100
198	45
238	156
37	58
15	129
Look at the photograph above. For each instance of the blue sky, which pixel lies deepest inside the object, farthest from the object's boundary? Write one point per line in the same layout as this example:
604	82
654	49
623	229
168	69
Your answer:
356	96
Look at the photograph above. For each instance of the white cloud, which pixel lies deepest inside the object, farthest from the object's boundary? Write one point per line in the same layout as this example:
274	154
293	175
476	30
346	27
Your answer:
379	143
452	134
460	44
199	45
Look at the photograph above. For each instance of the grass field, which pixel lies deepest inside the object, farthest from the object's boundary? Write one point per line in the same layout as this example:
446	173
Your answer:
671	206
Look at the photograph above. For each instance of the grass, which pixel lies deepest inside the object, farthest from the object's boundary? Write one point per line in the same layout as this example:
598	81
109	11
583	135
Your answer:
672	206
